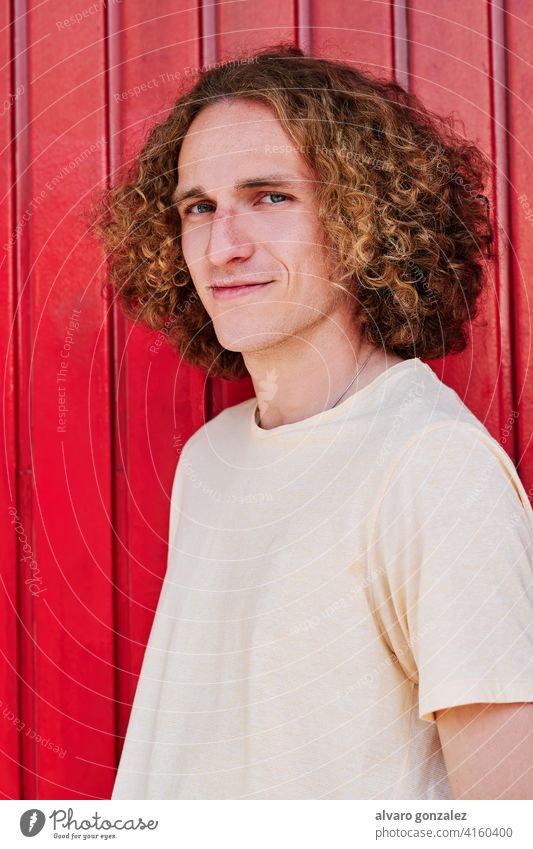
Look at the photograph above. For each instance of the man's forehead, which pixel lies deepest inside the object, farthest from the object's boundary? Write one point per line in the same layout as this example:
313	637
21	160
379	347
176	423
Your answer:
236	119
234	136
240	154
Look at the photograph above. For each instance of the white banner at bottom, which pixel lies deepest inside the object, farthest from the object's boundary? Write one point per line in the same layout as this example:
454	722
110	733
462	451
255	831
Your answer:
269	824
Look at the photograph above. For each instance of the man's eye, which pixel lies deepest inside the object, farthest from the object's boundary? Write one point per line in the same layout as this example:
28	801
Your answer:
189	209
276	195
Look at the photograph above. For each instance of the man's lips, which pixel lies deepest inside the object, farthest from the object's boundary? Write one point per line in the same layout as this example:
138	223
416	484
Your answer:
236	289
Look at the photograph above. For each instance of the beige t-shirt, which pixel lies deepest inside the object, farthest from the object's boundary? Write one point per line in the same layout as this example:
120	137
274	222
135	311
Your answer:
331	583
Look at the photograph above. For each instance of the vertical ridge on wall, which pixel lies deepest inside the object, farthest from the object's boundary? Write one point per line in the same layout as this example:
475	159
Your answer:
303	25
11	485
208	32
400	29
117	417
519	34
499	130
24	331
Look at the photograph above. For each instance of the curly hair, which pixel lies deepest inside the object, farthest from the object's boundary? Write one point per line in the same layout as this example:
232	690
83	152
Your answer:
399	197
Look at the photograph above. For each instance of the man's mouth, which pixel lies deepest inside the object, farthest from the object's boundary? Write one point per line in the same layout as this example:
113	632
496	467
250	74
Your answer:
235	290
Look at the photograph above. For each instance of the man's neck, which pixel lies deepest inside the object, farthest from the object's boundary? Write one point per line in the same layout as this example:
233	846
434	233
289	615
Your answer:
302	377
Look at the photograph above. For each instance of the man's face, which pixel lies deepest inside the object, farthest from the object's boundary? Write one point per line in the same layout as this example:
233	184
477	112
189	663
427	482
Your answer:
267	233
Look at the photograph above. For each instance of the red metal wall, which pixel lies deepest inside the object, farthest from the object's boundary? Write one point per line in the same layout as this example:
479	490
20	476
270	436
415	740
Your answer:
86	506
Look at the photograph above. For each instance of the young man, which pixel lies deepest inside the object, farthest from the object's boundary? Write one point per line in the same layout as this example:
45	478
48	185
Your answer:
347	609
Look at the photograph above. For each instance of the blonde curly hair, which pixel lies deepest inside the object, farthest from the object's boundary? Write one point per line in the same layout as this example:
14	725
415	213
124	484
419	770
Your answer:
399	196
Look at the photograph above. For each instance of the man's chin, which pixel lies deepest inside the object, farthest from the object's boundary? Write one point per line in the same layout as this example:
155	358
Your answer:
248	347
247	341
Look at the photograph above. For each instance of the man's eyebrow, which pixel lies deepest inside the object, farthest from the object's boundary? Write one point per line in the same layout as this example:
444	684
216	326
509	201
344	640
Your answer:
277	180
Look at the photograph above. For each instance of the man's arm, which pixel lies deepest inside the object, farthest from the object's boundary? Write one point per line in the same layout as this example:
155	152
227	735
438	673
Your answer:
488	750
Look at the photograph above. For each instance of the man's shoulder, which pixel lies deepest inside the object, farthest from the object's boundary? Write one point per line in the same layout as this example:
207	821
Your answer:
420	396
447	458
420	409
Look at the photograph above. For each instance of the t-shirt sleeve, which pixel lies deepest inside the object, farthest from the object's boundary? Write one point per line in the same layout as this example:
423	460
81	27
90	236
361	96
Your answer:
451	569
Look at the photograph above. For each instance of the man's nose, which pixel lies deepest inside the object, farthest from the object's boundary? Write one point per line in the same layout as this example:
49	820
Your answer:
229	238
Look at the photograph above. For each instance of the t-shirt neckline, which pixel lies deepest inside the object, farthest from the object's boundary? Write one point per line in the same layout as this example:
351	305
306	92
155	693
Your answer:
333	412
